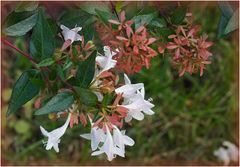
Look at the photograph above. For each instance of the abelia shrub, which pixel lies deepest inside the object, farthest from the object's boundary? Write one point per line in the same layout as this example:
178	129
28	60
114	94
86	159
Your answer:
81	62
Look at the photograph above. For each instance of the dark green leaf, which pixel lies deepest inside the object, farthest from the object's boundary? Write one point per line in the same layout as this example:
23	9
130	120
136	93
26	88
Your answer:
222	25
86	96
46	62
86	70
60	72
104	16
178	15
58	103
15	17
74	17
90	7
42	40
107	99
233	23
158	22
226	9
144	19
165	32
22	27
23	90
26	6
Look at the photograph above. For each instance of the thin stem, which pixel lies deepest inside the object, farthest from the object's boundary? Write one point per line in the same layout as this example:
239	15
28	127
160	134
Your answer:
113	8
6	42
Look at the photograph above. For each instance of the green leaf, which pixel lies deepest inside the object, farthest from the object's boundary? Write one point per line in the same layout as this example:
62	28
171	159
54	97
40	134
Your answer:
104	16
60	72
232	23
58	103
74	17
15	17
165	32
46	62
226	9
86	96
221	26
90	7
42	40
178	15
107	99
26	6
158	22
86	70
23	91
144	19
21	27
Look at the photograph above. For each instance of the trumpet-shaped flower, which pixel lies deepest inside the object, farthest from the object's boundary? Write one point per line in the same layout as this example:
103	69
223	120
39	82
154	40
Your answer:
136	106
105	61
227	153
55	135
96	136
129	89
120	139
232	150
71	34
109	147
222	155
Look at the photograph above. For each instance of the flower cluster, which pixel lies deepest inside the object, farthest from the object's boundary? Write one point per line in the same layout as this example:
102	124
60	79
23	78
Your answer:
190	52
117	103
133	47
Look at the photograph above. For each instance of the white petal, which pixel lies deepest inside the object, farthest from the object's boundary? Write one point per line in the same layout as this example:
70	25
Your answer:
78	37
49	145
86	136
222	155
76	29
44	132
119	151
138	115
232	150
128	141
99	96
128	118
55	146
95	139
148	112
64	28
129	90
97	153
126	79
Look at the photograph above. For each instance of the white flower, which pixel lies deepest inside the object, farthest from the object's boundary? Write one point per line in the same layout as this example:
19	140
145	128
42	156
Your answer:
129	89
96	136
227	154
222	155
120	140
134	101
55	135
105	61
109	147
71	34
136	105
232	150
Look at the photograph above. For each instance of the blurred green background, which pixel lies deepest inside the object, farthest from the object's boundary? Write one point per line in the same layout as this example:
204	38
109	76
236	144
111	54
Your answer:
193	115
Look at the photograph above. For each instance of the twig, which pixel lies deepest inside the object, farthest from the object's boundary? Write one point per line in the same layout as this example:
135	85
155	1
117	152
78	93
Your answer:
113	8
6	42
